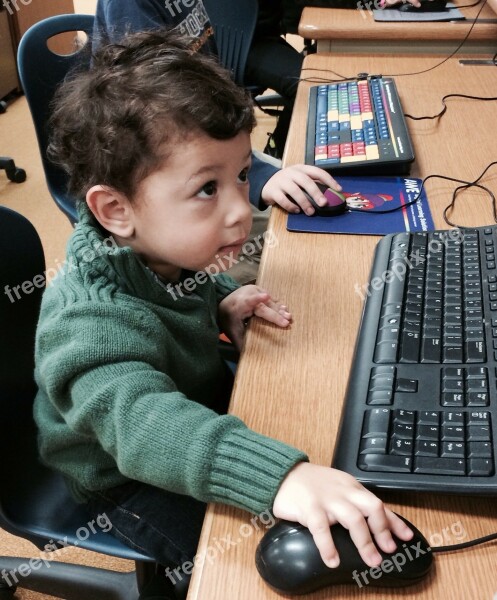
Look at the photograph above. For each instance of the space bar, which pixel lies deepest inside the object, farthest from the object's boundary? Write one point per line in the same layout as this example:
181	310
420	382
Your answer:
385	463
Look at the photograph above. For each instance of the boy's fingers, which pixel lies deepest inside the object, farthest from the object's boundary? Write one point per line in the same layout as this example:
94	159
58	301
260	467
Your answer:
270	314
320	530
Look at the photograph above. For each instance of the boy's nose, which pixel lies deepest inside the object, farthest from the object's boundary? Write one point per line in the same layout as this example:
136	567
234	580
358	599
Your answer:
239	210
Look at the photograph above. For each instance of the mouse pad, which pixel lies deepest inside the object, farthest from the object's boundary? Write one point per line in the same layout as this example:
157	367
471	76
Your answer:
451	13
372	194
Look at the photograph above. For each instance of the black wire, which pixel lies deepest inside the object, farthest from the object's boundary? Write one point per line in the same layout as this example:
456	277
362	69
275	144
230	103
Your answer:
465	185
444	109
469	5
463	545
452	204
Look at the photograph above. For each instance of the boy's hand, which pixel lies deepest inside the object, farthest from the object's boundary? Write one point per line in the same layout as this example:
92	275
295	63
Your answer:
245	302
290	183
318	497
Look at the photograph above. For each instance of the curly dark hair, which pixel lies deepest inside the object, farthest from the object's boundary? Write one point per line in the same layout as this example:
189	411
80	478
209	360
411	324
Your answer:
116	122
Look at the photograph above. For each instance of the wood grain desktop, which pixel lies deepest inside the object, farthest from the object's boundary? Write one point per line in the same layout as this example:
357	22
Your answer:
291	383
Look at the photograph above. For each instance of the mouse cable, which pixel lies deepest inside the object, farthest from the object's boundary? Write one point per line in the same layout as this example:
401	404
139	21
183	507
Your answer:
463	545
465	185
444	109
417	197
469	5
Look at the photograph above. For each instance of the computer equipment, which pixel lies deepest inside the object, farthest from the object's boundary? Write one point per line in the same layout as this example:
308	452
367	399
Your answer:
420	411
288	560
426	6
336	204
357	126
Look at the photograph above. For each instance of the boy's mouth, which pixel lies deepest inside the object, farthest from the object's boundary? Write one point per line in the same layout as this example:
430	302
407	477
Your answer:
234	247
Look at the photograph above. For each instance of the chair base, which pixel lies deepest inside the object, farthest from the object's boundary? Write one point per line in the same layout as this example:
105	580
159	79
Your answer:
70	581
14	173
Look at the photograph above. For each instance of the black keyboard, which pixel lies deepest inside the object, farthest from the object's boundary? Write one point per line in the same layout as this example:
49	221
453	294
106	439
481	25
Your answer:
357	126
421	406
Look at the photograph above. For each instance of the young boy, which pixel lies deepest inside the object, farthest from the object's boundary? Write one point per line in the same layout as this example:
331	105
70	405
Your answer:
132	390
270	59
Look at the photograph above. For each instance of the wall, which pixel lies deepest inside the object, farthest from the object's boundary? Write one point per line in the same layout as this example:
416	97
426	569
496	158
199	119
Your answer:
86	6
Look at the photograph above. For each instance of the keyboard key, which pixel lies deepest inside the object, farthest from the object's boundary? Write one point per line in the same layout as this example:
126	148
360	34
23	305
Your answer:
453	450
480	467
426	448
401	447
439	466
474	351
376	422
374	445
480	450
385	463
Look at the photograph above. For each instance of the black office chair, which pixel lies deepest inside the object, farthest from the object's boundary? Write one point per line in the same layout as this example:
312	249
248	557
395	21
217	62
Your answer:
14	173
41	71
34	501
234	26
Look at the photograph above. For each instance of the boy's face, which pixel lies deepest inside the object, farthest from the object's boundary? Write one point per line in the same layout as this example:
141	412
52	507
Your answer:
194	209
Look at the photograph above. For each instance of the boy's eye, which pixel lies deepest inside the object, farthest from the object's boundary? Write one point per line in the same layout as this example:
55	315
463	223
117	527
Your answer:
243	176
209	189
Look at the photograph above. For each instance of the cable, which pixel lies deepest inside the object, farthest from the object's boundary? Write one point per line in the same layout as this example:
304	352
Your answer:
465	185
444	109
463	545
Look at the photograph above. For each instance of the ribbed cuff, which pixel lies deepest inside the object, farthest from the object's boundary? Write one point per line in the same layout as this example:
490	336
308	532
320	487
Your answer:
248	469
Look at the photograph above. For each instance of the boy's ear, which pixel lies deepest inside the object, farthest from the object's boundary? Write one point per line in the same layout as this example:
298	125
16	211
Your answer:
112	210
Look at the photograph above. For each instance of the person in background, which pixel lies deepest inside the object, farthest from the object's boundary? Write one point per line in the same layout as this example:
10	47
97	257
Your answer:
274	63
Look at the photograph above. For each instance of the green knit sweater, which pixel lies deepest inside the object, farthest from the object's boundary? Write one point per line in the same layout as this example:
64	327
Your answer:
129	375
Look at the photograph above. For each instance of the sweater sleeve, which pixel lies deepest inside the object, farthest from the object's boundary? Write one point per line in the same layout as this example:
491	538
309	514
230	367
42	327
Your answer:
259	174
119	395
224	286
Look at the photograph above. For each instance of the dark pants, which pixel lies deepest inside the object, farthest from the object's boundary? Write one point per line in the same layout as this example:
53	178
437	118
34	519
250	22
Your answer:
274	63
163	525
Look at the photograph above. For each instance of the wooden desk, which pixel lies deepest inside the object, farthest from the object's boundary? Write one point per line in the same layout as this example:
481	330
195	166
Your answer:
290	383
350	30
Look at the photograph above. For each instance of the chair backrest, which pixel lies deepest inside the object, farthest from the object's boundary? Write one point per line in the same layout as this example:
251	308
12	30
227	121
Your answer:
234	25
34	501
41	71
22	281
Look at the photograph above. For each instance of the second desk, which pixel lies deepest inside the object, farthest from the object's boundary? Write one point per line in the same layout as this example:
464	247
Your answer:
355	30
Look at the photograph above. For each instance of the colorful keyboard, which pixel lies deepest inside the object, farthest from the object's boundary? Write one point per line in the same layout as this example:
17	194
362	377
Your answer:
358	126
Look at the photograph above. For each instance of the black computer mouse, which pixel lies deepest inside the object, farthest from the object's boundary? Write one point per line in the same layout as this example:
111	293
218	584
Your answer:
336	203
426	6
288	560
